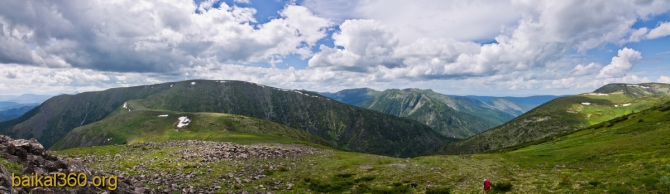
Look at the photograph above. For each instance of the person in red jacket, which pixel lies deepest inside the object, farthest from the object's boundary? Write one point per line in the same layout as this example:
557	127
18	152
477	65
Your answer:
487	185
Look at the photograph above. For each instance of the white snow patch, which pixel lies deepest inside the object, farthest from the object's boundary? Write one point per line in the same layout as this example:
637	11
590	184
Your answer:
183	121
616	105
627	104
171	85
162	115
586	103
192	83
125	105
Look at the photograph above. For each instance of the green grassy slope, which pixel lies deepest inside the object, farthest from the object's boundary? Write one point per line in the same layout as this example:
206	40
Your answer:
636	90
559	116
145	125
625	155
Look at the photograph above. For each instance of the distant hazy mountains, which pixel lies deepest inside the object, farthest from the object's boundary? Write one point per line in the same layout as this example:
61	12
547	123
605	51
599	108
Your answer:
12	106
514	105
24	98
13	113
345	126
453	116
564	115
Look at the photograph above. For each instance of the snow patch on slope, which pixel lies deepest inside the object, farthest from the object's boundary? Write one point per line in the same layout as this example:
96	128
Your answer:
125	105
183	122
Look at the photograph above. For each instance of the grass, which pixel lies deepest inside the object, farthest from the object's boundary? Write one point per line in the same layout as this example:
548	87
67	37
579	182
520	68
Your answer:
597	113
145	125
627	157
558	117
11	166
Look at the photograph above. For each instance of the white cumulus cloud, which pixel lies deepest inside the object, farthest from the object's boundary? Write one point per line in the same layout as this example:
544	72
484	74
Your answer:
660	31
149	35
621	63
664	79
366	44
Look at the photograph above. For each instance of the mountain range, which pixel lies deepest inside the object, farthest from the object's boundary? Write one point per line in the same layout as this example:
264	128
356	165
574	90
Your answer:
346	127
625	154
12	113
25	98
394	122
452	116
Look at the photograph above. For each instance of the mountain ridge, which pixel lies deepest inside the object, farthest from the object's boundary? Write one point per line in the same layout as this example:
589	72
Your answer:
348	127
456	117
560	116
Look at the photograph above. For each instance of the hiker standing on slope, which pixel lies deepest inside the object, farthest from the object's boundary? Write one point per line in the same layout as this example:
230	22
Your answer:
487	185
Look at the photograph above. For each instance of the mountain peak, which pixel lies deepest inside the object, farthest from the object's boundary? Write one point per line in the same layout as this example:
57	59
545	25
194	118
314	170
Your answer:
418	90
635	90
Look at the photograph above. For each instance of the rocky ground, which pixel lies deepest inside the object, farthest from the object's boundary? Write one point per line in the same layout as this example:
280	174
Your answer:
35	159
187	166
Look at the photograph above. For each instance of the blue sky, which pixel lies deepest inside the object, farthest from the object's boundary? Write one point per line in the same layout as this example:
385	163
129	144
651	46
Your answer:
478	47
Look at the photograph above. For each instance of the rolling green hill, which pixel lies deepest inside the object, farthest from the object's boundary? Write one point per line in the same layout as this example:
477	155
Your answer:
146	125
560	116
347	127
636	90
627	154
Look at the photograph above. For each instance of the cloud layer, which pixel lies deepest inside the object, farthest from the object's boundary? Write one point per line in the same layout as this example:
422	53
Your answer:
83	45
149	36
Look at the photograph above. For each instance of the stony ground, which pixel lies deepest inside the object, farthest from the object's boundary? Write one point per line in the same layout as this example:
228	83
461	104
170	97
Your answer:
190	166
29	156
185	166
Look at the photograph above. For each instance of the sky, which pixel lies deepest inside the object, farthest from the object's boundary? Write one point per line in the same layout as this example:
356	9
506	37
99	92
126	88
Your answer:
457	47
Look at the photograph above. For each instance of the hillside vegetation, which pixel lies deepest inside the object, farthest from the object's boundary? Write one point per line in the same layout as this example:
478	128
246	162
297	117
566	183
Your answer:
627	154
344	126
146	126
560	116
457	117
